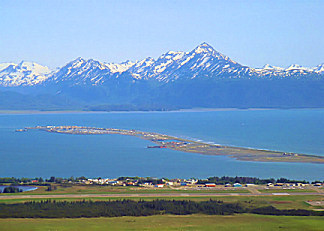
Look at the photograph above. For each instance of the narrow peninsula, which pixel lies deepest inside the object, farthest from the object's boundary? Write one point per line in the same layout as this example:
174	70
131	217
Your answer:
185	145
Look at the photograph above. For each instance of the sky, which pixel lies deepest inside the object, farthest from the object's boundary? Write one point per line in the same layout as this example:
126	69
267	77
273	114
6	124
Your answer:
252	33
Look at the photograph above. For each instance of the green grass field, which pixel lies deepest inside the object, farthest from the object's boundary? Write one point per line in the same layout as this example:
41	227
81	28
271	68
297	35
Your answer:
169	222
95	189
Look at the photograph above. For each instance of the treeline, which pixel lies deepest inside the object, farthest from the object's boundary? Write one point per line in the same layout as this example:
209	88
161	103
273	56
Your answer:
247	180
39	180
11	189
64	209
14	180
59	180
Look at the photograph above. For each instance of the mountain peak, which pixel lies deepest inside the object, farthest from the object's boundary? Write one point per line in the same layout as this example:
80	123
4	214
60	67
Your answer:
26	64
297	67
294	66
204	48
206	45
78	60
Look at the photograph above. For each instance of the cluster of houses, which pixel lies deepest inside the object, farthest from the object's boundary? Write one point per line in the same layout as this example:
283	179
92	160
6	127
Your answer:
160	183
153	183
142	182
179	182
293	184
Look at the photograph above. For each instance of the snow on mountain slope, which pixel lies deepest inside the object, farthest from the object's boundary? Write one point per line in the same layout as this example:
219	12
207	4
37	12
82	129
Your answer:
120	68
293	71
142	70
202	61
154	69
81	71
23	74
319	69
206	62
89	72
5	65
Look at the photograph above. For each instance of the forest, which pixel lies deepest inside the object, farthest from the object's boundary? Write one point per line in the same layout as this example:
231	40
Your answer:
117	208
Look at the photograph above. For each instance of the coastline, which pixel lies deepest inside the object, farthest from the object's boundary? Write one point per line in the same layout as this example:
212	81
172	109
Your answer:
34	112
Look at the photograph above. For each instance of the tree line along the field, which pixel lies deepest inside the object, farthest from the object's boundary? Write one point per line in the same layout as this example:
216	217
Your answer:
117	208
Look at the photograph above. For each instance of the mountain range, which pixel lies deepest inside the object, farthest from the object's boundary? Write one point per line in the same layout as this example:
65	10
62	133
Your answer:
202	77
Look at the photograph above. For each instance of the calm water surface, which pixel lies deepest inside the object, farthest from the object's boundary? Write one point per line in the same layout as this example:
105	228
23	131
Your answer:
37	153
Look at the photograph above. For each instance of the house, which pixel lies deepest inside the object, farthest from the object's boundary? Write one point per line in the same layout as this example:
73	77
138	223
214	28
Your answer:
209	185
191	181
237	185
115	182
290	184
159	185
250	185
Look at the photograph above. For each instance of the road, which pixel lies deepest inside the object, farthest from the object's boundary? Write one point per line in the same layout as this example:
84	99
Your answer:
4	197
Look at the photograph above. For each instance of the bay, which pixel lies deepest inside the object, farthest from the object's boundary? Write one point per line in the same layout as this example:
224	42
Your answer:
37	153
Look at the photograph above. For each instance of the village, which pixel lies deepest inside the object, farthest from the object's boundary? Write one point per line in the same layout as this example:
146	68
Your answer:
195	184
212	183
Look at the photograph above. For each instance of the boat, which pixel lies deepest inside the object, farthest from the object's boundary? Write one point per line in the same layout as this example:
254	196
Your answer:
21	130
160	146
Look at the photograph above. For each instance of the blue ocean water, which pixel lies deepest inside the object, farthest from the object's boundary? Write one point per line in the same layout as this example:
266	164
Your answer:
38	153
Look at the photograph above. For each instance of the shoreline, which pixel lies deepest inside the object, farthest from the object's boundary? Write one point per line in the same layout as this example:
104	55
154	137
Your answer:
37	112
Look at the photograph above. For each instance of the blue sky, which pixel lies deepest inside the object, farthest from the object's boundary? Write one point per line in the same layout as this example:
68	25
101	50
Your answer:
252	33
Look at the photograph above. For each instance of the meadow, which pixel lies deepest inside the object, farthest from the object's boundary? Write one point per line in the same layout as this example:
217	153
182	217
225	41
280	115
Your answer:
245	222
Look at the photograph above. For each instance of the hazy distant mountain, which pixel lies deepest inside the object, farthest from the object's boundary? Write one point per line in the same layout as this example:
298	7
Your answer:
23	74
202	77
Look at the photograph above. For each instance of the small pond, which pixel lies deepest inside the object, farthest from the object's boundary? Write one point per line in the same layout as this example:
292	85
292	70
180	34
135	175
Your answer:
23	188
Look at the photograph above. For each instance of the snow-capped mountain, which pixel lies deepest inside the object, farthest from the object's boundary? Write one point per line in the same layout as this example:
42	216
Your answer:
295	71
203	62
88	72
22	74
81	71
